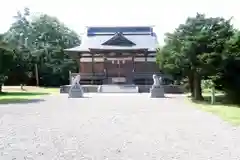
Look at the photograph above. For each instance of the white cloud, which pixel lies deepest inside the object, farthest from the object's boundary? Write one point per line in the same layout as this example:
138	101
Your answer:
165	15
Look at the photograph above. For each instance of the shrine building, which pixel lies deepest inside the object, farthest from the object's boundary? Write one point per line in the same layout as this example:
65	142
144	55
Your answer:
117	55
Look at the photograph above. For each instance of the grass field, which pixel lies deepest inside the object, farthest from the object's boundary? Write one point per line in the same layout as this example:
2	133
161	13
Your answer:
14	94
228	112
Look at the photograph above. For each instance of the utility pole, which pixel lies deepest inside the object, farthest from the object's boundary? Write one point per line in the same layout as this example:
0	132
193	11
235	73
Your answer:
36	73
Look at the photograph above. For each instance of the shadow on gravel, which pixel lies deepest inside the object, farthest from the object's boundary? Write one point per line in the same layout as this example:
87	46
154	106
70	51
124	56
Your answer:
20	101
166	97
81	97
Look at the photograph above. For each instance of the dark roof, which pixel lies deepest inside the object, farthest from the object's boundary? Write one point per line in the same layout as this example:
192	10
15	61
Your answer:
92	31
118	40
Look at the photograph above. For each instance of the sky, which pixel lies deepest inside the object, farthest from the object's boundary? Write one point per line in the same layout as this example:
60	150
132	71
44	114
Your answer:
164	15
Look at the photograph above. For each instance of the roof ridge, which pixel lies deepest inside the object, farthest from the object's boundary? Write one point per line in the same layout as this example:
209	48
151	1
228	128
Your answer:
120	26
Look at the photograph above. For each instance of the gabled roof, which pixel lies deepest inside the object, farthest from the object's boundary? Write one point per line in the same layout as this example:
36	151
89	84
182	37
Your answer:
142	42
118	40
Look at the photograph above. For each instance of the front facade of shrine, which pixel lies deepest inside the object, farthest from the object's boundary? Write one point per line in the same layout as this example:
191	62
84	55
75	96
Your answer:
117	55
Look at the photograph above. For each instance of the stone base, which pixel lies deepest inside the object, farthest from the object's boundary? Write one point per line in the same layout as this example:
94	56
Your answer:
118	88
157	92
75	92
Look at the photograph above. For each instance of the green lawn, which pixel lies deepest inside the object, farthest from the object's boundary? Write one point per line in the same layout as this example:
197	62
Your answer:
228	112
15	95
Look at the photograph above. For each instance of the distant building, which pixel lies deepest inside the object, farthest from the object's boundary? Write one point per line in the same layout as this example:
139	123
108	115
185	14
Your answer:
117	55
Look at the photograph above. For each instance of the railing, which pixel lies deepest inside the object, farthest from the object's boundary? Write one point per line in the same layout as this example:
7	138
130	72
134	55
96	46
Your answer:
150	74
89	75
135	75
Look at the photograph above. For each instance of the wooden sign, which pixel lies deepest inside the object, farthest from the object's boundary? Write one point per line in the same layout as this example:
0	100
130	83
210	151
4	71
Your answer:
118	79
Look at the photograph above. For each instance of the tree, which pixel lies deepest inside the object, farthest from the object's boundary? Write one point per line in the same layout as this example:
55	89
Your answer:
229	76
40	40
19	36
51	37
196	49
6	58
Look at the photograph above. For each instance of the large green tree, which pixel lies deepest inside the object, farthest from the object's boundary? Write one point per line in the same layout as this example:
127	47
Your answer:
229	75
195	49
6	58
40	40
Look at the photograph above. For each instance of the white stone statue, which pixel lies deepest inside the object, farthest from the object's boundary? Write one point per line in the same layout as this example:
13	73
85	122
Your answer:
76	90
157	90
156	81
160	80
76	79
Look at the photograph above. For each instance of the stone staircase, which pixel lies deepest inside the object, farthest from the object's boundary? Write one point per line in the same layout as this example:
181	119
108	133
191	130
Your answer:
118	88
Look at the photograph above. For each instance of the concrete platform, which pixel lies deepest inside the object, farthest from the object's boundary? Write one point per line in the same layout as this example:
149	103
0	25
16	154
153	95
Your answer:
118	89
172	89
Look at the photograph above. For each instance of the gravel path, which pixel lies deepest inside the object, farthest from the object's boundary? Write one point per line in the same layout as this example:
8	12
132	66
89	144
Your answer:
114	127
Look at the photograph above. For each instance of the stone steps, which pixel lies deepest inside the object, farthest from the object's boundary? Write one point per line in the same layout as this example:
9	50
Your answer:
118	88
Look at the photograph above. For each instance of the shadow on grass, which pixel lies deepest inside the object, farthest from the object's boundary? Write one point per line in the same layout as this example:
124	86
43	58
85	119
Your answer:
16	94
21	97
19	101
227	111
219	100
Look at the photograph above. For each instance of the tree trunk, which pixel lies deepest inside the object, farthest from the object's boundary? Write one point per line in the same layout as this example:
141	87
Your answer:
197	87
191	84
0	88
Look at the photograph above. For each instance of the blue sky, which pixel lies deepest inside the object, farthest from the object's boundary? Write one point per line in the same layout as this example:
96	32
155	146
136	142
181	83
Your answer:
164	15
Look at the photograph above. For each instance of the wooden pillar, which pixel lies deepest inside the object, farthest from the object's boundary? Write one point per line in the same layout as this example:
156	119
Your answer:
146	65
92	68
80	65
92	63
133	68
104	65
133	62
81	69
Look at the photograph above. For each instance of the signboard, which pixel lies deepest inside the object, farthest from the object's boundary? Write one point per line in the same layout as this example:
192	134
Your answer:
119	58
118	79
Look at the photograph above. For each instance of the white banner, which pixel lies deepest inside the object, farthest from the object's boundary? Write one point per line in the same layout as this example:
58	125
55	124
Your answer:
118	79
119	58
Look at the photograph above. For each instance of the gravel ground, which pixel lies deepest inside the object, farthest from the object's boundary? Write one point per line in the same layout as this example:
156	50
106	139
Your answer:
114	127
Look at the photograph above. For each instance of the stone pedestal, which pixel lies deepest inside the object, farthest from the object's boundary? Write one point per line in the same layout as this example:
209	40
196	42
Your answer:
157	91
75	91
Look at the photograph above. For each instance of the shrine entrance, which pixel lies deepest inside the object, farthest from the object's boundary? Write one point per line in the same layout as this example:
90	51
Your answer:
117	69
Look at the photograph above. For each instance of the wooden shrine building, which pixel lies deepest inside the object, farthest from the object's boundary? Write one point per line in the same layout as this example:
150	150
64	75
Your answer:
125	55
